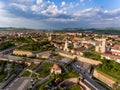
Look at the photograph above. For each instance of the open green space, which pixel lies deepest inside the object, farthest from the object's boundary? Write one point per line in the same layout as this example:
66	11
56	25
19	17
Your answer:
2	77
57	57
34	75
31	66
41	87
37	46
26	73
22	40
111	69
63	76
92	55
74	87
44	70
70	74
6	45
101	83
8	68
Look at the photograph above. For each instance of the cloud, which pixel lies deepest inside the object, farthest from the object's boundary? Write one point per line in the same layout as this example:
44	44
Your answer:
19	6
47	14
63	3
81	0
39	1
47	9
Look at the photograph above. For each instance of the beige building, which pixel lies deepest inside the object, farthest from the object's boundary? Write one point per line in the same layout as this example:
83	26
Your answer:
115	50
26	53
111	57
46	54
66	46
101	46
56	69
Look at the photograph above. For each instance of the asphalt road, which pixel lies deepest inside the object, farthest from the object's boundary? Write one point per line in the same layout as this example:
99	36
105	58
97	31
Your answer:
92	83
20	84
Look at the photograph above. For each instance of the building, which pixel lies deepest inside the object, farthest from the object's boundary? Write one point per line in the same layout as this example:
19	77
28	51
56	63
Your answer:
56	69
111	57
23	53
51	37
66	46
115	50
101	46
46	54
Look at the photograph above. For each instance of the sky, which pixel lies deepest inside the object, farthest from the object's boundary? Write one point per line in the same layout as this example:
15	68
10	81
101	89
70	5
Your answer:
58	14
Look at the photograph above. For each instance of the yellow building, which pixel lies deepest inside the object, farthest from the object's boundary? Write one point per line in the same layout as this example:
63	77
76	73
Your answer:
21	52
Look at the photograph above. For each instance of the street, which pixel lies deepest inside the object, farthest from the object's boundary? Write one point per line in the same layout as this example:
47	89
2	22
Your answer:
87	78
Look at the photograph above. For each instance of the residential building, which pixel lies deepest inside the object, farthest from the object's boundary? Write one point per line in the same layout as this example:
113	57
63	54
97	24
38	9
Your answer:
115	50
56	69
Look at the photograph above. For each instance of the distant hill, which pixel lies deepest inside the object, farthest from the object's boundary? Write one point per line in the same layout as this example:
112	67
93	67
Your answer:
84	30
13	28
93	30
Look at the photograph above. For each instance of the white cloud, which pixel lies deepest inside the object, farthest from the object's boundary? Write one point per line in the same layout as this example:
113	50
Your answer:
81	0
89	12
39	1
47	8
63	3
52	10
19	6
55	15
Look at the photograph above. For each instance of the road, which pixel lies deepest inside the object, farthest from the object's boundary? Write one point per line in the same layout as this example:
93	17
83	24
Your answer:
9	50
20	84
91	82
15	79
41	82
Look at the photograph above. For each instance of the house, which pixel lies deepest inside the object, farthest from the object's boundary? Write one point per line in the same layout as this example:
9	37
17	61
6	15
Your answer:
56	69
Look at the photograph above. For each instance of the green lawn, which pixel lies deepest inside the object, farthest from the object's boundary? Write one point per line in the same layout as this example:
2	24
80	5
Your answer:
31	66
110	69
74	87
26	74
2	77
70	74
6	45
46	83
22	40
34	75
57	57
15	69
44	70
37	46
92	55
101	83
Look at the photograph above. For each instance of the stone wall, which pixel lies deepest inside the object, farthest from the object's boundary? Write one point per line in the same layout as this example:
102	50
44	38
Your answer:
67	55
82	59
87	60
103	78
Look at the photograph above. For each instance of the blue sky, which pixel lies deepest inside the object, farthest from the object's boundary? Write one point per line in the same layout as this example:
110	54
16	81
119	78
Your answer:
57	14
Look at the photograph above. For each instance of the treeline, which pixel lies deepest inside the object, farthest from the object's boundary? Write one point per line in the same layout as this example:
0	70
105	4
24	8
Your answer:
37	46
6	45
23	40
